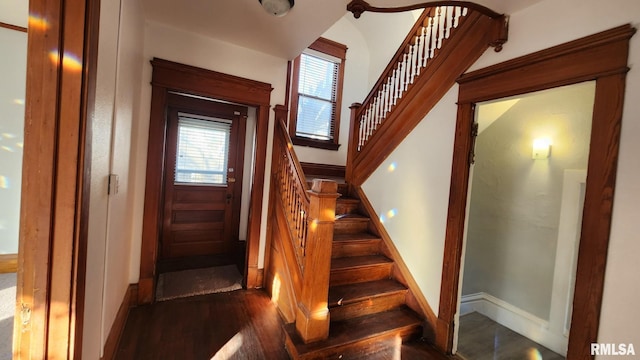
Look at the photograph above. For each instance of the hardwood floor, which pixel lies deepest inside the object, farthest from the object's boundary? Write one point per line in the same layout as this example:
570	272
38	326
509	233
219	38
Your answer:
481	338
241	324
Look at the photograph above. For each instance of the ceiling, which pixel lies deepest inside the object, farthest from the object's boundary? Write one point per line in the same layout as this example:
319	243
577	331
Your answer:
246	24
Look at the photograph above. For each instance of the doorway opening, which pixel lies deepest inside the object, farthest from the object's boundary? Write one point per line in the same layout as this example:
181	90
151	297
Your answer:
526	192
547	69
201	249
191	216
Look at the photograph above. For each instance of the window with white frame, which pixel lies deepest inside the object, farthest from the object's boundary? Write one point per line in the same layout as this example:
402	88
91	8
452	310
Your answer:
316	95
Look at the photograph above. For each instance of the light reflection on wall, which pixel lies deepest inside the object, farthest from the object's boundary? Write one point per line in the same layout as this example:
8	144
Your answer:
69	61
37	22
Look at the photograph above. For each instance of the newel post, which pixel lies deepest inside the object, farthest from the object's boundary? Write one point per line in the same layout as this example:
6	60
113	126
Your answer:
354	132
312	318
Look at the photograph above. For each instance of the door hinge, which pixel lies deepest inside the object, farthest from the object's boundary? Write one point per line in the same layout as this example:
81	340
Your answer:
113	184
472	148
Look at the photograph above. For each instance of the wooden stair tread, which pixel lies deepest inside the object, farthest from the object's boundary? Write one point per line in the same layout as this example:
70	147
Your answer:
351	331
350	293
348	200
351	262
354	237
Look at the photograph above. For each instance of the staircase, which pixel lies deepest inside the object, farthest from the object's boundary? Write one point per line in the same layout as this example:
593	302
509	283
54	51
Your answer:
366	304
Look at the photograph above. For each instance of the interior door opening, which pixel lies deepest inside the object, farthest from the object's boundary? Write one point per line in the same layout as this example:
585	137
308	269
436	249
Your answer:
526	194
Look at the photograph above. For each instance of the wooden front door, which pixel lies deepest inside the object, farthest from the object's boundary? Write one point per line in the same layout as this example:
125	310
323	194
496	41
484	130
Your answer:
202	177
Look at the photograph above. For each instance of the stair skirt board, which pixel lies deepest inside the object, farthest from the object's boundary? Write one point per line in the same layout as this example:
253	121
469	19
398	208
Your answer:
514	318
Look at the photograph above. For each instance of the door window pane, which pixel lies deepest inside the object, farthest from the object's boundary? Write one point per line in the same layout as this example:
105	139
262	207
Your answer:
203	150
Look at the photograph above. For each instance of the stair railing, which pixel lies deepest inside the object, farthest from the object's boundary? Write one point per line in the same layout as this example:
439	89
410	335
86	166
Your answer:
435	28
310	216
420	46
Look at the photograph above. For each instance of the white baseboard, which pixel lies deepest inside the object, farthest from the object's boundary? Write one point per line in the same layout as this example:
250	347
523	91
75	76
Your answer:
514	318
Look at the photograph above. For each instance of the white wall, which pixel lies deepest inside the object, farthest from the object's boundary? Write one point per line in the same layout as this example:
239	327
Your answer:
535	28
196	50
13	69
117	103
383	34
410	193
514	211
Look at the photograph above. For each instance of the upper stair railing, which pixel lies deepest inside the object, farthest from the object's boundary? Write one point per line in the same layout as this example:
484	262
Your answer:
422	44
425	43
310	215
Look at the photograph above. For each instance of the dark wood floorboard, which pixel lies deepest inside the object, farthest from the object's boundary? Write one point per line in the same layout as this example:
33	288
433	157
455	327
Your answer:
241	324
481	338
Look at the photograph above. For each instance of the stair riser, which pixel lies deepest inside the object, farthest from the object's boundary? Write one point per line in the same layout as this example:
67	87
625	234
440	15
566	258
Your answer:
360	274
350	226
346	208
355	248
360	348
368	306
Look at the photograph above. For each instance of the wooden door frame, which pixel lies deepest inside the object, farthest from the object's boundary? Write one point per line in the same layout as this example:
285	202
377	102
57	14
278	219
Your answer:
602	58
170	76
60	94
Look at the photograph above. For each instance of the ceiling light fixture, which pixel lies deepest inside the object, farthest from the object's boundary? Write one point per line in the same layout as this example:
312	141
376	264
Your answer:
277	7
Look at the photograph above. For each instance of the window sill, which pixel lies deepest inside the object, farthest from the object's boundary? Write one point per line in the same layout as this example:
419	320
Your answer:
320	144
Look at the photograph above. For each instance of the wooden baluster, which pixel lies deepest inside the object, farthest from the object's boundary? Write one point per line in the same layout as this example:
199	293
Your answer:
389	93
427	41
420	49
432	36
312	315
438	21
447	21
407	69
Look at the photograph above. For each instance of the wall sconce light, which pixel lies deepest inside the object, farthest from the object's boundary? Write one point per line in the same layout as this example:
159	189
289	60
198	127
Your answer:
277	7
541	149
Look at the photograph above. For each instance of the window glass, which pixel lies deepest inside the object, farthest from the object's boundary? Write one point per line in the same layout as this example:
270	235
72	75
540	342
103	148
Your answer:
203	150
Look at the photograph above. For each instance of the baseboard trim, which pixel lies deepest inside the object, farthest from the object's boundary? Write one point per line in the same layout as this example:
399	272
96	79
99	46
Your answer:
8	263
260	280
514	318
130	300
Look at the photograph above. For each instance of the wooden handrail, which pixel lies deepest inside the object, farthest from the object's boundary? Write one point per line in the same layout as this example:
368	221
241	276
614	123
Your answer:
310	215
357	7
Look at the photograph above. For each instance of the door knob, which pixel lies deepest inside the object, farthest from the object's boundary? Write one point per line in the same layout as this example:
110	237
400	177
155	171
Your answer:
231	180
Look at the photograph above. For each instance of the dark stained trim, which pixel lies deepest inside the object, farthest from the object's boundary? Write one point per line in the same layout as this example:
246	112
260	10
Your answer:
13	27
